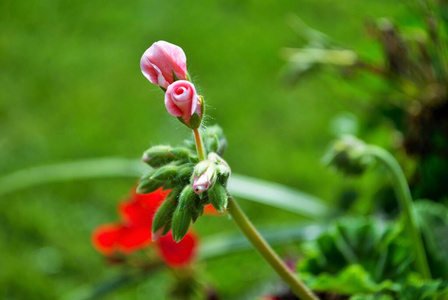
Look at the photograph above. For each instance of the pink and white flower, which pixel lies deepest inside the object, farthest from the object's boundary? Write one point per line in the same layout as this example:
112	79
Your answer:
181	100
164	63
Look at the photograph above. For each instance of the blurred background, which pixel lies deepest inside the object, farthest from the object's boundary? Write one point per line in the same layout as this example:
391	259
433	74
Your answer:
72	89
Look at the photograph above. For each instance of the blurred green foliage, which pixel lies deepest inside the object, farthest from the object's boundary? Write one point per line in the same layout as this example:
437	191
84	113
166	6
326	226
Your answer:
71	88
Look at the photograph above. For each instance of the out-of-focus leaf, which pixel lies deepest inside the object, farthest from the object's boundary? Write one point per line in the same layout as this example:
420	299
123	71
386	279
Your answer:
310	35
277	195
371	244
223	244
84	169
433	220
352	280
367	258
260	191
416	289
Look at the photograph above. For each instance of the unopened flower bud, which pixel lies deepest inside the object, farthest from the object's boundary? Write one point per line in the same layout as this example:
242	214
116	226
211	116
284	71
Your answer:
217	196
165	173
147	184
215	140
187	197
161	222
180	223
164	63
204	176
181	100
184	173
222	169
158	156
348	155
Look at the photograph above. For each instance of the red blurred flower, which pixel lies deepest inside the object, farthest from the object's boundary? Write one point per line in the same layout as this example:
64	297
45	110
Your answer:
134	231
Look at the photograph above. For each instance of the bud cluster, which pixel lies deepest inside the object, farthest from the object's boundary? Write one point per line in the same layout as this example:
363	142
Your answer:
194	183
348	155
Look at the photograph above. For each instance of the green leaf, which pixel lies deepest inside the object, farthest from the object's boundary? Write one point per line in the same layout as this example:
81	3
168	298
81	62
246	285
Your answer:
351	280
376	247
227	243
277	195
433	221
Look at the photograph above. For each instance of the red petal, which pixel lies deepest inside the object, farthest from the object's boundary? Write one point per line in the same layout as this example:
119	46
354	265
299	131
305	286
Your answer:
177	255
104	238
140	210
133	238
210	210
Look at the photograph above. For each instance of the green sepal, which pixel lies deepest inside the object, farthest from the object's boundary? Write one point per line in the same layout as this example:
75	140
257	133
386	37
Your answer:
166	172
180	223
195	121
182	120
163	89
202	103
223	174
187	197
175	78
202	166
217	195
212	144
163	216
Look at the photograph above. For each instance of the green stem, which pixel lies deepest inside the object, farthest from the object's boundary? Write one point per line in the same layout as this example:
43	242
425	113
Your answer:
199	144
405	201
241	220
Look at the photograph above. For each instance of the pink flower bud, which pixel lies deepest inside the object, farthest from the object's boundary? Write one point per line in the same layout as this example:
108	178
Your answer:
162	61
204	176
181	100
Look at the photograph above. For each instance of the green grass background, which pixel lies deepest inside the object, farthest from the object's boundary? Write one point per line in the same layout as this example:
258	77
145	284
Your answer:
71	88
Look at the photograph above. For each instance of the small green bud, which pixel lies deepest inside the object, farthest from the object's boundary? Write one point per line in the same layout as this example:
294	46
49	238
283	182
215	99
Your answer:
215	140
161	222
187	197
212	144
348	155
217	196
166	172
222	169
196	212
181	223
184	173
181	153
148	185
158	156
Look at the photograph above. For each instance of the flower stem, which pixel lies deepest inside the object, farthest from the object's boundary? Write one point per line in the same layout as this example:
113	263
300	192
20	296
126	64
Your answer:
407	208
199	144
241	220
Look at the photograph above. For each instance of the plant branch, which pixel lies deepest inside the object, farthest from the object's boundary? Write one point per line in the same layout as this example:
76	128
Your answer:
407	208
258	242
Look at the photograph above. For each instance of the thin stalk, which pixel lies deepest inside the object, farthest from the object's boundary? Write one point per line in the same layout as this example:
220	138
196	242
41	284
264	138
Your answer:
251	233
407	208
199	144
